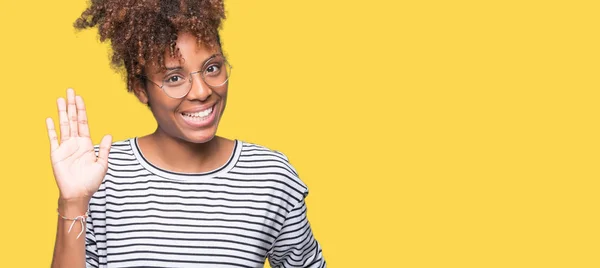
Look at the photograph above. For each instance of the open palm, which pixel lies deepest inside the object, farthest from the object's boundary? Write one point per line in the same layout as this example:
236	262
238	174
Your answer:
77	169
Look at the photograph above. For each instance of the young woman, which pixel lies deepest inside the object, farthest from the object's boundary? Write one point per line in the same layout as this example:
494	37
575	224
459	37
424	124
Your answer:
181	196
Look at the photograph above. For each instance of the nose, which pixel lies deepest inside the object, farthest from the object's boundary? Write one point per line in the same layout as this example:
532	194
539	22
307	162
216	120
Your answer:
199	89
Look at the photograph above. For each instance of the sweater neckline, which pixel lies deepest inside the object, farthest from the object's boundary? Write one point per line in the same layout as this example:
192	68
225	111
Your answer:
231	162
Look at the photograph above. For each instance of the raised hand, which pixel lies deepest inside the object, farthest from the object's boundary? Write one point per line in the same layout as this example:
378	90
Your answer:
77	170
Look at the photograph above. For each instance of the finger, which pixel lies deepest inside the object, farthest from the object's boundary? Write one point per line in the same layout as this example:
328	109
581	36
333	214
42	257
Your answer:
52	134
104	149
72	112
82	123
63	119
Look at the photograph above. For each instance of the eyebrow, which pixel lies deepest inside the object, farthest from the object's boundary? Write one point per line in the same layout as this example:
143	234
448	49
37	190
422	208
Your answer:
203	63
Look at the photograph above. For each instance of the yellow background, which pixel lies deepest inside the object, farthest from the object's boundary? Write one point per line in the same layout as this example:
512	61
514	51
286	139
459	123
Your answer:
430	133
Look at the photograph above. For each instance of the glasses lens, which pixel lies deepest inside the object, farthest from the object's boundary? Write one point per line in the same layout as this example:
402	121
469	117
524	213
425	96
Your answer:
176	85
216	71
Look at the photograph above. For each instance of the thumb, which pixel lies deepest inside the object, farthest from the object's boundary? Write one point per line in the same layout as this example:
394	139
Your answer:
103	151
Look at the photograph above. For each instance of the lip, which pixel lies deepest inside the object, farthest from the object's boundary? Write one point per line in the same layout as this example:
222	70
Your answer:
198	109
199	124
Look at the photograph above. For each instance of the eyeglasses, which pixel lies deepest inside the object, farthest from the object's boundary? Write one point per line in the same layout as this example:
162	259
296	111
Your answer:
215	73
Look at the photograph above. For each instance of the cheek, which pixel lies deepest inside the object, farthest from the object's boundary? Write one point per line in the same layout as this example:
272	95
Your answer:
162	107
223	94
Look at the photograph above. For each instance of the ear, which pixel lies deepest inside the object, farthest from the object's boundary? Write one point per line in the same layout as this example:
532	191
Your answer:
139	89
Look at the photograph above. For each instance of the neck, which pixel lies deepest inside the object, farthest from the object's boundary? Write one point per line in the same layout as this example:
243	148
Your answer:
178	155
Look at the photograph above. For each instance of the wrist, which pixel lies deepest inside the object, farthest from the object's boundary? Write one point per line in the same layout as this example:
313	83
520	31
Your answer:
73	207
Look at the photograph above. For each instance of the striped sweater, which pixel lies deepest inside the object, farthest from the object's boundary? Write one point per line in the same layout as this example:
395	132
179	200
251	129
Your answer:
250	209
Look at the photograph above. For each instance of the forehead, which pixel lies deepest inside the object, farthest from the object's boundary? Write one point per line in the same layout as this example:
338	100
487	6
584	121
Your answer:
189	52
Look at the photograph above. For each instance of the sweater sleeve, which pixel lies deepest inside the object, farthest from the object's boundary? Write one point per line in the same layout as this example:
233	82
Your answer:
295	245
91	250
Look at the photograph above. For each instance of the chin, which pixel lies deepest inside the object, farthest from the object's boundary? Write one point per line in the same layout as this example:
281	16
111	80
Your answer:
199	137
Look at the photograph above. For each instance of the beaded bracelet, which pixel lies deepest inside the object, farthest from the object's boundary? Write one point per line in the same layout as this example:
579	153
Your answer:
81	219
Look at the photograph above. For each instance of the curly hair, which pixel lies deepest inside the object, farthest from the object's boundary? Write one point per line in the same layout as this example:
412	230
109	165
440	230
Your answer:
140	31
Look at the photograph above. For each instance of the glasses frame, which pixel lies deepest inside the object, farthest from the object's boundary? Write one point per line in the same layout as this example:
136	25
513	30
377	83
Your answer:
190	80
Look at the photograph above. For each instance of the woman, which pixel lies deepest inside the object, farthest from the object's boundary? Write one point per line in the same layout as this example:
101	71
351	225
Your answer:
181	196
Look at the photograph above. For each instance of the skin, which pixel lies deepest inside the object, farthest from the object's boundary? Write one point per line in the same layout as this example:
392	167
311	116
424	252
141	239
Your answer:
174	146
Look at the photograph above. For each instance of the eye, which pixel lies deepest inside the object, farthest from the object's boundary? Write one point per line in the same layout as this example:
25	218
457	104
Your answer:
174	79
213	69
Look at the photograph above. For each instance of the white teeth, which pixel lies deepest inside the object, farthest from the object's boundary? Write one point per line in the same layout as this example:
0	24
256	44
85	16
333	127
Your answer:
204	113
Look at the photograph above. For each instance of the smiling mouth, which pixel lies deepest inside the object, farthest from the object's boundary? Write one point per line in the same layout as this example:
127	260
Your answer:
199	116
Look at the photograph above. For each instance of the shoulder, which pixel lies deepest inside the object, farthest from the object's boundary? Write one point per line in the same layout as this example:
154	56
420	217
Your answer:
262	152
122	165
260	160
118	148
